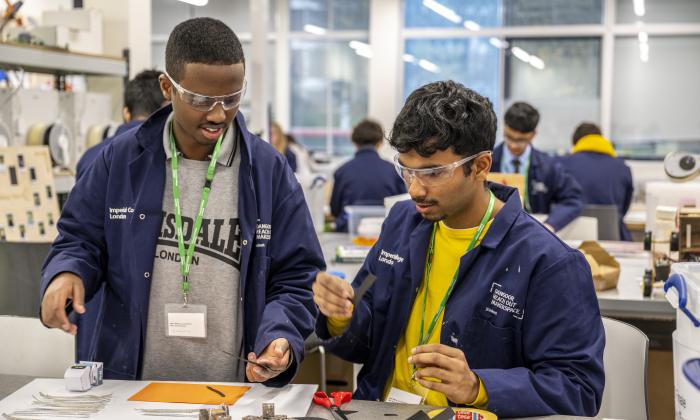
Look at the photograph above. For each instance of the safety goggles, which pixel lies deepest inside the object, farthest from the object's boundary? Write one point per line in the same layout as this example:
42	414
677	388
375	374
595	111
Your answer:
205	103
429	177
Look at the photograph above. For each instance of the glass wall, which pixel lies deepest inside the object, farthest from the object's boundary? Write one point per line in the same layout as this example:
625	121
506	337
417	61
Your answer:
562	82
655	98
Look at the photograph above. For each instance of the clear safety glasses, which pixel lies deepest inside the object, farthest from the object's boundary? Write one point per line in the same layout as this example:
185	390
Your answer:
432	176
205	103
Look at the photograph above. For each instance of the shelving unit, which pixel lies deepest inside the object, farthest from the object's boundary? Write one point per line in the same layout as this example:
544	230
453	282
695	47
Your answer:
55	61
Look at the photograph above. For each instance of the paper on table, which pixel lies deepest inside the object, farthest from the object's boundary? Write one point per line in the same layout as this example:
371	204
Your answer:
189	393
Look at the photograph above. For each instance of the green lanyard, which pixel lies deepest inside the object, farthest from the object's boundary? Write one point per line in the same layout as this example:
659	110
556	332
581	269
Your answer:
526	192
186	258
429	265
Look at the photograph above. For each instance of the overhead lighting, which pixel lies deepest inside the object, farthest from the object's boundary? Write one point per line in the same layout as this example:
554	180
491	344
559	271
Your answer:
363	52
471	25
644	52
536	62
355	45
313	29
443	11
361	48
196	2
498	43
521	54
639	8
409	58
429	66
643	37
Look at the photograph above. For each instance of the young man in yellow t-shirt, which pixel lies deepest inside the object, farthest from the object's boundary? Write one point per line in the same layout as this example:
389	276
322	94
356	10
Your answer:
475	302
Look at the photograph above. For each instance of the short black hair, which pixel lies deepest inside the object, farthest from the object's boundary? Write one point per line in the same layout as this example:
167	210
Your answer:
367	133
523	117
445	114
201	40
142	95
584	129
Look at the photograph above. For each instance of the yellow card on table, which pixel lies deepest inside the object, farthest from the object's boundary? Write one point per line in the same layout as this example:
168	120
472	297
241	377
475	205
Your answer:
168	392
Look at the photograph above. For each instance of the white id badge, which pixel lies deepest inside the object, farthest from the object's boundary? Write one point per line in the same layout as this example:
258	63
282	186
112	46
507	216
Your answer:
185	321
403	397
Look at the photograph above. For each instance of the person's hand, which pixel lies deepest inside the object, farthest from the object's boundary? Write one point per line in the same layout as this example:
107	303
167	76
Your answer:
449	366
53	306
333	296
550	227
276	357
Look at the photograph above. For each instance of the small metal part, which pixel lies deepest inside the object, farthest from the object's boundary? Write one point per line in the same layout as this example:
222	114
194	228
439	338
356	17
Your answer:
268	410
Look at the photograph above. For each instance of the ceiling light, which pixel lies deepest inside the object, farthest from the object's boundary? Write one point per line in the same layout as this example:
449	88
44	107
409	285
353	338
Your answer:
313	29
429	66
196	2
442	10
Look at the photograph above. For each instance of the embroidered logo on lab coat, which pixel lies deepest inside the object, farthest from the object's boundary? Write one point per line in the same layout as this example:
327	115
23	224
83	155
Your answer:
389	258
502	301
119	213
539	187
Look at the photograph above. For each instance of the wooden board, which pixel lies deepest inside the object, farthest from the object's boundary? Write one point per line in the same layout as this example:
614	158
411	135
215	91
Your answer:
28	203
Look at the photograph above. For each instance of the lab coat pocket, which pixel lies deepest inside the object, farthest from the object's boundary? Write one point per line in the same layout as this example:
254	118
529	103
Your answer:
489	346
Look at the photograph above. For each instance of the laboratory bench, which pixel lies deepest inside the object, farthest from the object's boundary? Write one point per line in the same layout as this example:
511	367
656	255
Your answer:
362	409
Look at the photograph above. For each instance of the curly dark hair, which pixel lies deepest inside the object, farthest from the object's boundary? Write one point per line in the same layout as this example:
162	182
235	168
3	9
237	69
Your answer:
443	115
201	40
523	117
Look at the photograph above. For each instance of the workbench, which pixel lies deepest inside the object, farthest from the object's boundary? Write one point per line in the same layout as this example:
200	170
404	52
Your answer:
364	410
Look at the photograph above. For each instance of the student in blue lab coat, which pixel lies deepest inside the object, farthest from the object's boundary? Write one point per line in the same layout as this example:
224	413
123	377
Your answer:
142	97
605	179
367	178
550	188
511	325
130	221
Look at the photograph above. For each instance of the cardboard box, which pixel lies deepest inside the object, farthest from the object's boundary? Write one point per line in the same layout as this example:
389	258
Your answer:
604	267
516	181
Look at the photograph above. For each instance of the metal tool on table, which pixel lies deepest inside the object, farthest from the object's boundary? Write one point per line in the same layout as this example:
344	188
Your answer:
267	368
339	398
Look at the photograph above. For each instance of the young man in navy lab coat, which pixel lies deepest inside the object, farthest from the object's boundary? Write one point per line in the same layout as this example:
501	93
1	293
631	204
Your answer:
550	189
367	178
142	97
475	302
595	166
132	220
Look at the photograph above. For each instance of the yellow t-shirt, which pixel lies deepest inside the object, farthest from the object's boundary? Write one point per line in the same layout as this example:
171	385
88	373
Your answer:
450	246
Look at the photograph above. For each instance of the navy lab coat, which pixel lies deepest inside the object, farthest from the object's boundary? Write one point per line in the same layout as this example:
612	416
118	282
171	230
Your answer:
276	272
605	180
366	179
551	189
539	353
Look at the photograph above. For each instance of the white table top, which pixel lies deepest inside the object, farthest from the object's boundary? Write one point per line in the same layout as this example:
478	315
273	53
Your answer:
291	400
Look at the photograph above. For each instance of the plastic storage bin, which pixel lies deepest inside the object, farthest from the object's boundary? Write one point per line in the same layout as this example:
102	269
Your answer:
683	292
364	223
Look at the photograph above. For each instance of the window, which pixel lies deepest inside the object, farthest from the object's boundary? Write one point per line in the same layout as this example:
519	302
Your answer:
472	14
474	62
166	14
658	11
559	77
654	106
328	93
329	14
